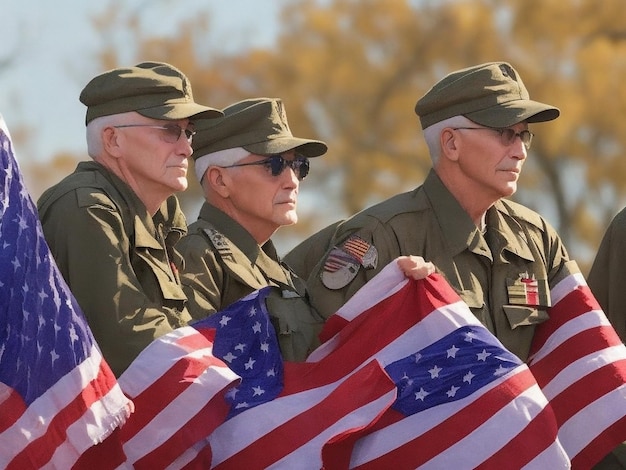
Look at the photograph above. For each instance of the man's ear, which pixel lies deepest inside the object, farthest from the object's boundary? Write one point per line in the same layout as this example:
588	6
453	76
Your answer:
449	144
218	180
111	141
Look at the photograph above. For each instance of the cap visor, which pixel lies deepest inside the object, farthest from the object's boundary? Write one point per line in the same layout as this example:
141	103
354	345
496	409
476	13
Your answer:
308	148
513	112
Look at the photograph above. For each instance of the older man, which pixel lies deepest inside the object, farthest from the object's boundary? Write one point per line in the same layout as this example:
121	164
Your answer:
112	224
250	166
476	124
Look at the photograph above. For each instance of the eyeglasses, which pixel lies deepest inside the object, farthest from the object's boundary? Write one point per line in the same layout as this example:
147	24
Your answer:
172	131
507	135
276	164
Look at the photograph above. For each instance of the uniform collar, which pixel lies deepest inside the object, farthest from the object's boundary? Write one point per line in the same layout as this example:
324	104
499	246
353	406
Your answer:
503	231
232	230
457	227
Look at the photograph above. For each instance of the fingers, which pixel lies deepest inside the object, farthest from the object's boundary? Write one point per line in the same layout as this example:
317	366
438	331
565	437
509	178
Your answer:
415	267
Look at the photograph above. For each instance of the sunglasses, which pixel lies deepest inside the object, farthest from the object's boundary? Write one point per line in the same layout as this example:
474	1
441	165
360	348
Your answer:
172	131
507	136
277	164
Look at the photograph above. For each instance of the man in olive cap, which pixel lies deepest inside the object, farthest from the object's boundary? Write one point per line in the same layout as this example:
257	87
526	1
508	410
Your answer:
250	166
475	123
112	223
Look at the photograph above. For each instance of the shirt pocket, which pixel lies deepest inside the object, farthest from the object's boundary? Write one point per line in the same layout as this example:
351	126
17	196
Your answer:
522	315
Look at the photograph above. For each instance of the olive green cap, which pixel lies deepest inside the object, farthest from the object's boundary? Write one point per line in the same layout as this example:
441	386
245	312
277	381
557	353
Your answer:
153	89
259	125
490	94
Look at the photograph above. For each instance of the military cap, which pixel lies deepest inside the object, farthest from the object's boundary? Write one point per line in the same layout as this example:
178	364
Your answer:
153	89
490	94
258	125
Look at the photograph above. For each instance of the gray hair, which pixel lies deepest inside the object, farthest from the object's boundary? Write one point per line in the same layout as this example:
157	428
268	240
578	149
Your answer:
433	132
95	126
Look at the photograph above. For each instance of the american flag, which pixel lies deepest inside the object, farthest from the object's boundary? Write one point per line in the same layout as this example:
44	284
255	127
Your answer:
463	400
281	414
58	397
408	378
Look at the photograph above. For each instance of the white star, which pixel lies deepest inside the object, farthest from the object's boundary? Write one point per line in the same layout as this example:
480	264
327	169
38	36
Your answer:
224	320
270	373
42	295
232	392
257	391
468	377
470	336
16	264
22	223
482	356
452	391
240	347
256	328
250	364
452	351
230	357
265	347
500	370
243	404
54	356
421	395
417	357
434	372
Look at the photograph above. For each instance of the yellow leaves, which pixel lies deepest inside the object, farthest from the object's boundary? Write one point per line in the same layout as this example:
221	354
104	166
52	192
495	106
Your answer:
350	72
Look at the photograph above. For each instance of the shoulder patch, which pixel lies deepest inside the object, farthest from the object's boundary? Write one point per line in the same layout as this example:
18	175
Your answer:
342	264
218	240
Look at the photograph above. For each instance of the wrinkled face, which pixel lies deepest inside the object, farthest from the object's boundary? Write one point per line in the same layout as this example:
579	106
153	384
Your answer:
259	201
489	162
154	155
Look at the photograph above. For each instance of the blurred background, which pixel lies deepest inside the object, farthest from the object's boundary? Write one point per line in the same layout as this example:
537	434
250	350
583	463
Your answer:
349	72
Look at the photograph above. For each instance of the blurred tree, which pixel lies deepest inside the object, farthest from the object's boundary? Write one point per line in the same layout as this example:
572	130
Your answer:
350	72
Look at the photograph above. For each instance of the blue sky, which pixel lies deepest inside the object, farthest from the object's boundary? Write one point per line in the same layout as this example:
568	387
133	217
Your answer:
57	55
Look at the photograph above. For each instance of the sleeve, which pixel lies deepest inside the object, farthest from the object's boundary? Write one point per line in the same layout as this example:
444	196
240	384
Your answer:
327	298
607	276
93	252
304	256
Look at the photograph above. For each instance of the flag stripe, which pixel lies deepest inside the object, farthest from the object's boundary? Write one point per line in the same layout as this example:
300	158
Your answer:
580	363
42	428
572	298
304	428
432	432
596	449
179	386
525	446
576	349
12	406
208	417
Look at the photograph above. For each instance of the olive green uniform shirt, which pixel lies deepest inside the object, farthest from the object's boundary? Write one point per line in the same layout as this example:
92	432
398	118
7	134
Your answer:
116	258
428	221
223	263
607	277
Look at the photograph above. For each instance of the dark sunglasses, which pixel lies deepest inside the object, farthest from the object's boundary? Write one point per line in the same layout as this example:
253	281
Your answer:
277	164
172	131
